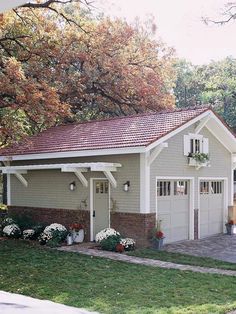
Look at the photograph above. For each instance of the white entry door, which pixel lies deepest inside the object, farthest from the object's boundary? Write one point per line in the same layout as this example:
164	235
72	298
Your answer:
211	208
100	205
173	209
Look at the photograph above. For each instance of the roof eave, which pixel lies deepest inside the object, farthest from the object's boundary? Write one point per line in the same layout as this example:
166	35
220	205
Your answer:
73	154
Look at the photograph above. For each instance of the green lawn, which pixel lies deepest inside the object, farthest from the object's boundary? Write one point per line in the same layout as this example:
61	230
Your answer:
108	286
182	259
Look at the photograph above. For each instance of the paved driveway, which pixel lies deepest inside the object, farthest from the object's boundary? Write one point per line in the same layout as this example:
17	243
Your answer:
11	303
221	247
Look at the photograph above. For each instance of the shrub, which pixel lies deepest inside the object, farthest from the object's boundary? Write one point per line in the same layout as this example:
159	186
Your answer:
105	233
110	243
128	243
28	234
53	234
7	221
12	231
24	221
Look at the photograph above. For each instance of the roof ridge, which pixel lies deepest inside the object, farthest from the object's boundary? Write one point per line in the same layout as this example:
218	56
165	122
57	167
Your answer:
165	111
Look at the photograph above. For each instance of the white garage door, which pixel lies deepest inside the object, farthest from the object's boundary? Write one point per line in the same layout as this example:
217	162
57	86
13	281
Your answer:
173	209
211	208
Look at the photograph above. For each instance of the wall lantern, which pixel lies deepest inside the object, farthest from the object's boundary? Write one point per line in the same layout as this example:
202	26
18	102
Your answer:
72	186
126	186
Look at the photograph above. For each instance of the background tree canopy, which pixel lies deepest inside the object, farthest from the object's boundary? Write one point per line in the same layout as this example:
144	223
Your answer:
59	64
213	84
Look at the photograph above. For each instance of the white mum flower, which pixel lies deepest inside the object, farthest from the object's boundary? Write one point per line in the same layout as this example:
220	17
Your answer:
105	233
55	226
127	243
28	233
11	230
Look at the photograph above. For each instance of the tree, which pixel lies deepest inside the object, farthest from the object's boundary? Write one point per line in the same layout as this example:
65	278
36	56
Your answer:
213	84
228	15
54	71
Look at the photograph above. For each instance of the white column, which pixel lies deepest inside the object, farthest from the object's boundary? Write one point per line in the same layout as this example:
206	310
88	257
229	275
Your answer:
231	182
144	183
8	189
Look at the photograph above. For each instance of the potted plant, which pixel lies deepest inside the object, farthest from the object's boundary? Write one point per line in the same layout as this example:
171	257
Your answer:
230	227
158	237
198	159
77	231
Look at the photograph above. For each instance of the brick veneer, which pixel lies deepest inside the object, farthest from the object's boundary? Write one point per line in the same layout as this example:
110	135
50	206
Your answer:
136	226
51	215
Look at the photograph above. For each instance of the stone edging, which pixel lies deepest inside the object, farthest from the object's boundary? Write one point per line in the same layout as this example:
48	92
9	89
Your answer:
148	262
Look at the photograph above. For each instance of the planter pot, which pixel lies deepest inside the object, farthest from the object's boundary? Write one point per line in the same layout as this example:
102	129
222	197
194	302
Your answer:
230	229
158	244
78	236
69	240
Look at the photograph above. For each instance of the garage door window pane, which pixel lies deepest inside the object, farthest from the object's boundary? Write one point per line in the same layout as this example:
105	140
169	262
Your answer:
180	187
163	188
216	187
204	187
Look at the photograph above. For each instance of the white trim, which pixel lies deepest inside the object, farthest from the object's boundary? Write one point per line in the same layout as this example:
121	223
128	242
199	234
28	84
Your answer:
144	183
91	181
8	189
65	167
71	154
21	179
232	182
225	199
78	173
110	178
178	129
191	200
202	123
156	151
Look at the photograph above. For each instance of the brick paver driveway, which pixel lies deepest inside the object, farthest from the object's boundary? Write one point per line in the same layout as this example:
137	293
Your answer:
221	247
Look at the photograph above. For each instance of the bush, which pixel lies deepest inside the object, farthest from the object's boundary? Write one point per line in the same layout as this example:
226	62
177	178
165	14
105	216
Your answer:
105	233
12	231
24	221
110	243
128	243
28	234
53	235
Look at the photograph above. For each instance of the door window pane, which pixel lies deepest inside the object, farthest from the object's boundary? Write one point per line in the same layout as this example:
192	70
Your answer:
204	187
180	187
163	188
216	187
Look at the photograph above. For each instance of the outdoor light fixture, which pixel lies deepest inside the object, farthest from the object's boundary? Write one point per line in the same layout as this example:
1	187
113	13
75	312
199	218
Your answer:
126	186
72	186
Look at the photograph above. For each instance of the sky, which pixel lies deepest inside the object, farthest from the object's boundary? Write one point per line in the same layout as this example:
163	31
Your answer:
179	24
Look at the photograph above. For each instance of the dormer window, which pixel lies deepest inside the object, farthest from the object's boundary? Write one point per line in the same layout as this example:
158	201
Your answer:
195	143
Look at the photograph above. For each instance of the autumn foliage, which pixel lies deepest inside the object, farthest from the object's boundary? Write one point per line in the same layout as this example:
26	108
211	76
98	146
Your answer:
53	71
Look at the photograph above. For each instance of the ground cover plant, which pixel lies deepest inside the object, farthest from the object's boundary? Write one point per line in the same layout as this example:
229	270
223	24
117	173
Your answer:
182	258
109	286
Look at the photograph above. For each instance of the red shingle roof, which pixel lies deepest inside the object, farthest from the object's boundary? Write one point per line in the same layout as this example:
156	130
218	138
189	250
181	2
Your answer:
133	131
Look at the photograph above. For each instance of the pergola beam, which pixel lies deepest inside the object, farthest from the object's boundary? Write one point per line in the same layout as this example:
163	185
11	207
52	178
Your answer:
21	179
110	178
81	177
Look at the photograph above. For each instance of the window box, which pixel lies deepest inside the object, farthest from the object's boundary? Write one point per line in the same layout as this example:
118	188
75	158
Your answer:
195	163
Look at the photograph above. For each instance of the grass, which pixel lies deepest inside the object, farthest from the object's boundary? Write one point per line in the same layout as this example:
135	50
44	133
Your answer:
109	286
182	259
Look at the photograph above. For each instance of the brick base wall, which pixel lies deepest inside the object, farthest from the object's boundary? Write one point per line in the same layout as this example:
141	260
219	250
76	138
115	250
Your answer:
50	215
136	226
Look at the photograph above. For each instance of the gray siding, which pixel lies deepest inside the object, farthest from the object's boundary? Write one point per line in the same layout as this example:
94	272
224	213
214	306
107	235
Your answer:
172	162
50	188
